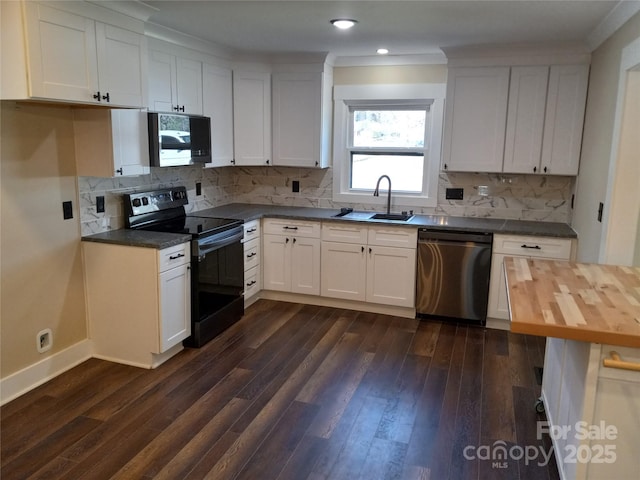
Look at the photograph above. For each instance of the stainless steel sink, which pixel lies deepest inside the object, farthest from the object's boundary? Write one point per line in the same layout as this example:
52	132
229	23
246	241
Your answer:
403	217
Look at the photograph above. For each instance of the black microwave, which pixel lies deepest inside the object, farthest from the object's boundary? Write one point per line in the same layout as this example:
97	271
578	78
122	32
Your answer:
179	139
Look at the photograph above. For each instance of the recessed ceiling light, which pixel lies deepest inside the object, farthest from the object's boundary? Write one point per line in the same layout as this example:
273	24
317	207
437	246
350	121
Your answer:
382	51
343	23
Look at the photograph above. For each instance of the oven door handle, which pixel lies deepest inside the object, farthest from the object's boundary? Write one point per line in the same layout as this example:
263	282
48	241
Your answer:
216	242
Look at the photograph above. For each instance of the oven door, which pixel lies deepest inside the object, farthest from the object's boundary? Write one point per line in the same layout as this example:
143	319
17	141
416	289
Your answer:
217	285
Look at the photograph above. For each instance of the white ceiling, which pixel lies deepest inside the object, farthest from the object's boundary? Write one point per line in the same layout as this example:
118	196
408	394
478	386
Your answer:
415	27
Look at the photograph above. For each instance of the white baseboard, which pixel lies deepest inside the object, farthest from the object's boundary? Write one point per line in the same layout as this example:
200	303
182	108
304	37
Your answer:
34	375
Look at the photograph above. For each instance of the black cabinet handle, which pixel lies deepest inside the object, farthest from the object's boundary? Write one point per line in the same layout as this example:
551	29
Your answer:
233	162
174	257
370	250
97	96
107	97
251	255
267	162
445	166
535	169
534	247
286	240
251	283
287	227
119	171
182	108
294	240
251	230
545	169
362	249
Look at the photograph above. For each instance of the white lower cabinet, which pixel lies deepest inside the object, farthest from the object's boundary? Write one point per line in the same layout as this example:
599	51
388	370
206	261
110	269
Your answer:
139	301
358	264
593	410
291	256
519	246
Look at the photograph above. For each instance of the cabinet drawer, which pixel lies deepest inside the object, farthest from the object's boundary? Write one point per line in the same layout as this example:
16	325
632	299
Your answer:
251	230
547	247
344	233
298	228
251	253
393	237
251	282
173	256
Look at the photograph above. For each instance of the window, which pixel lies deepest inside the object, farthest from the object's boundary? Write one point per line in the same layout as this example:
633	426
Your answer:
392	130
387	141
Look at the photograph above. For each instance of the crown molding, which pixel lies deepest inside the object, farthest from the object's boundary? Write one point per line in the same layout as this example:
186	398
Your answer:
382	60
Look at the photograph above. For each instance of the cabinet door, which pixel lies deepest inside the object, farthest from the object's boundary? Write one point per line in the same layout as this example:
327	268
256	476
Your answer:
344	271
391	276
525	119
189	85
297	119
217	103
162	81
276	261
122	65
564	119
175	309
252	118
130	142
476	112
62	54
305	265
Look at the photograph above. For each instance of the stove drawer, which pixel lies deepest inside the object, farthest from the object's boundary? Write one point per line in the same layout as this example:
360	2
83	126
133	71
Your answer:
174	256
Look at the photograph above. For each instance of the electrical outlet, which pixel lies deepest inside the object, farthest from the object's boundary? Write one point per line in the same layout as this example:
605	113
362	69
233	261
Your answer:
454	193
295	186
44	340
198	188
600	209
100	204
67	210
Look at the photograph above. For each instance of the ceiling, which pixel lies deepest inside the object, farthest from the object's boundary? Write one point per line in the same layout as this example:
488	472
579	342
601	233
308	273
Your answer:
404	27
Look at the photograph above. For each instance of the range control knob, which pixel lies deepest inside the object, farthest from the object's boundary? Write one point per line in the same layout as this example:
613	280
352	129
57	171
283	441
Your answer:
145	200
136	202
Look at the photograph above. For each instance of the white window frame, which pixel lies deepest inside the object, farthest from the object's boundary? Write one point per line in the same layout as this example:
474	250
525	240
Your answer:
348	95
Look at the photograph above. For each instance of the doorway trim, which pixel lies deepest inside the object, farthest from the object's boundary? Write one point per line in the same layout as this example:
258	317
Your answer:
609	253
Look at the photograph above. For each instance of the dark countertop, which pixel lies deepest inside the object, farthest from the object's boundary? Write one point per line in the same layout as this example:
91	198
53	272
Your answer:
248	212
138	238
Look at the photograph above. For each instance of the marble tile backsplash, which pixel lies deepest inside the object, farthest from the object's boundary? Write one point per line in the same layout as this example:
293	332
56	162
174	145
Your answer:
521	197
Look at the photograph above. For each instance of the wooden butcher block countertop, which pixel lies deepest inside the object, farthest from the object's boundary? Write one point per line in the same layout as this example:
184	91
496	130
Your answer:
585	302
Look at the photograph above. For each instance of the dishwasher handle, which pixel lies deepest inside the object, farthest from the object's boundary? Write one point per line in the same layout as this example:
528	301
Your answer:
426	235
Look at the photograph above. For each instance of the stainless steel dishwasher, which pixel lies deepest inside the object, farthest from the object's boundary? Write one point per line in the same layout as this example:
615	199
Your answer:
453	274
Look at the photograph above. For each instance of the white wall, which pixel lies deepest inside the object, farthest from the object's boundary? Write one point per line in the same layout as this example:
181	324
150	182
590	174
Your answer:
597	139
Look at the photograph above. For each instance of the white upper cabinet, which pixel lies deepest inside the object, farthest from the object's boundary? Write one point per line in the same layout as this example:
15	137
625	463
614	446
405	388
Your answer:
111	142
77	59
527	98
520	119
301	119
122	62
175	84
476	109
252	117
217	104
566	100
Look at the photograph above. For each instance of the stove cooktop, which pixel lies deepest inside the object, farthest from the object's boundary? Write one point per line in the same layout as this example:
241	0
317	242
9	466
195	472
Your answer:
195	226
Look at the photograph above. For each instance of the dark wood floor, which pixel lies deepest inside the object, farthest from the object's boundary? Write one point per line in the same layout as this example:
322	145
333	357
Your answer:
292	392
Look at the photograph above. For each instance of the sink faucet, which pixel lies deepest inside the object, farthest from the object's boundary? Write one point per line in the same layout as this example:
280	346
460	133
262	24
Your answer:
376	193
